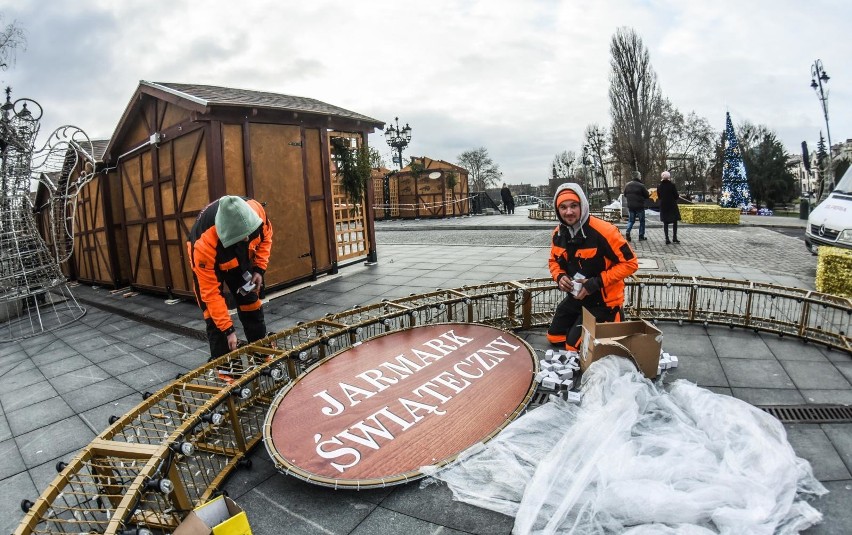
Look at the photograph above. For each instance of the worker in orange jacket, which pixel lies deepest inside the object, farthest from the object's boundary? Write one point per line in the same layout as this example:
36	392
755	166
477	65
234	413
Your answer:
230	244
589	259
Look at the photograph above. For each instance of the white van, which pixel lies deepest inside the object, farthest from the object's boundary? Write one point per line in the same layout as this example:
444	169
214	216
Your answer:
831	221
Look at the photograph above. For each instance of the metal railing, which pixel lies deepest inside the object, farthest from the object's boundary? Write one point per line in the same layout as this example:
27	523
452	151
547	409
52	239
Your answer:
613	216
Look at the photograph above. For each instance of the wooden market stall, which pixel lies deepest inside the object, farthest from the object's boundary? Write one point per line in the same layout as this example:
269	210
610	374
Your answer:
178	147
425	188
98	254
386	204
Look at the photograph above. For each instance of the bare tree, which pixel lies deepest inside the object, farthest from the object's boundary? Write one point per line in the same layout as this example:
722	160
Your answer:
596	149
750	135
635	101
685	146
714	173
482	171
562	168
12	38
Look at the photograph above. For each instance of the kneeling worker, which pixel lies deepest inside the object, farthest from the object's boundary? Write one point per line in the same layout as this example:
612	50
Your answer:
592	253
229	244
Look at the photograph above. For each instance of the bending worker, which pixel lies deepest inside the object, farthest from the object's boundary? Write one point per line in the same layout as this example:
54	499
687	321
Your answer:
591	253
229	244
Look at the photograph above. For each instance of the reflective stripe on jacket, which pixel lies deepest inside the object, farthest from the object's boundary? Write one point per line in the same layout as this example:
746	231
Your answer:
210	260
602	252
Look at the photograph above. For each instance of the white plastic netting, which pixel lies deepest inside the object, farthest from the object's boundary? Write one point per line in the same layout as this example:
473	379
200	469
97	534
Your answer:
635	458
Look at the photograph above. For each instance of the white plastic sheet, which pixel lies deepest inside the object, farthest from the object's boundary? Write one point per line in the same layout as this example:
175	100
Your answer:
634	458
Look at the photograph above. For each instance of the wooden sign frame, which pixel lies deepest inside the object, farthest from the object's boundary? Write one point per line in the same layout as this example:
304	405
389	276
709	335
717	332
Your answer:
390	446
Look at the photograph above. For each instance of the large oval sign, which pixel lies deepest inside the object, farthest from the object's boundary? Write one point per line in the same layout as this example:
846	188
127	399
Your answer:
373	414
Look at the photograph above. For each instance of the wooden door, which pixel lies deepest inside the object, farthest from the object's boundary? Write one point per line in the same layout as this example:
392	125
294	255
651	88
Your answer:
140	220
278	180
317	199
91	253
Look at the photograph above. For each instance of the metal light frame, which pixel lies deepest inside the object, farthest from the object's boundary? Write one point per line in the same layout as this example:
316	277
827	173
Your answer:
34	294
105	489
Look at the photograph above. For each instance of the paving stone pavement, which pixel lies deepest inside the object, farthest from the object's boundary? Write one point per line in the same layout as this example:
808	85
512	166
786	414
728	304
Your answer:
58	390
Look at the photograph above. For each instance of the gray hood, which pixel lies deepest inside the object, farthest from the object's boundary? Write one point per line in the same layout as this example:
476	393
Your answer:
584	207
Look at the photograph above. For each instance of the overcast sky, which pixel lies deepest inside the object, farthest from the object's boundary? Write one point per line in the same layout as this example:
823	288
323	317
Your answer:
521	78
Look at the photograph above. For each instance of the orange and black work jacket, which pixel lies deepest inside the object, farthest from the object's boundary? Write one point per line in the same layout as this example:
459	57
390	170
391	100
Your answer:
211	261
602	252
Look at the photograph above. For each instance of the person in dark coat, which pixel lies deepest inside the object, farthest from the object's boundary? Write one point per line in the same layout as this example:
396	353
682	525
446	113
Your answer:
508	201
635	192
669	211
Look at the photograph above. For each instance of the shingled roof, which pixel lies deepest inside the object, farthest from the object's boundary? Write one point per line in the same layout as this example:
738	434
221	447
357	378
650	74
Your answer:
99	146
210	99
210	95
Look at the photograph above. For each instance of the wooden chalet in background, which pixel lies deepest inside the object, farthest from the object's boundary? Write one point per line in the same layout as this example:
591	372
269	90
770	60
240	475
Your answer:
408	193
99	254
178	147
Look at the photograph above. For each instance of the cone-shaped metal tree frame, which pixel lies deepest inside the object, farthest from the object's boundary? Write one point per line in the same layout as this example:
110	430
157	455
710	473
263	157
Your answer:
34	295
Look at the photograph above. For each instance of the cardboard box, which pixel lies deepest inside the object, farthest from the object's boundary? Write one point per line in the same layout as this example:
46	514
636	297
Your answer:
219	516
637	340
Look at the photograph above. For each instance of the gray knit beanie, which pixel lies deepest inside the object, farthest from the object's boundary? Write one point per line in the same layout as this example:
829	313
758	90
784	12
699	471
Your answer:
235	220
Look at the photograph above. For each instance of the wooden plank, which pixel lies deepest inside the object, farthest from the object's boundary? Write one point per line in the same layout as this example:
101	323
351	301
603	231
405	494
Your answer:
216	172
164	278
319	215
233	159
172	115
114	448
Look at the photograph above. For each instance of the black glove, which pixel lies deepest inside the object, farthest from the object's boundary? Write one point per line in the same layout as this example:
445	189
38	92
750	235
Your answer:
592	285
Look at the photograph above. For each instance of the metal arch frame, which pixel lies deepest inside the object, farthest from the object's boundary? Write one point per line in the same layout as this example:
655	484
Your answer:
66	149
106	488
34	295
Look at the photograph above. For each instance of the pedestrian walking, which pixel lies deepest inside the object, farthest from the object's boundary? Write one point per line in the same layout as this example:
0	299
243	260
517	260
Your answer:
508	200
669	211
636	193
229	245
589	259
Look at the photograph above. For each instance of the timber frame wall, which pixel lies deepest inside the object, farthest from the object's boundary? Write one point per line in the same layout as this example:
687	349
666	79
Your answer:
172	156
416	196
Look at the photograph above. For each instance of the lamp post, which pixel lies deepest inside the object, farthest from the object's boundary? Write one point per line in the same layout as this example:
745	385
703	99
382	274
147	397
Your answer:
818	78
398	138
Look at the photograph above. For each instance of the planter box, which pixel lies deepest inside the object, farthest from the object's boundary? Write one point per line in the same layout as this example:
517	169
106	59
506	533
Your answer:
833	268
709	215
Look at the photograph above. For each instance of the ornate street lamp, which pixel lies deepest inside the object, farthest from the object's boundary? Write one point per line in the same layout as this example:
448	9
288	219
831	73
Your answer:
818	78
398	138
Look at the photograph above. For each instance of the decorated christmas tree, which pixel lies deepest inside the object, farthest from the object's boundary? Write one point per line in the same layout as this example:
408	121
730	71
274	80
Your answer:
735	191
